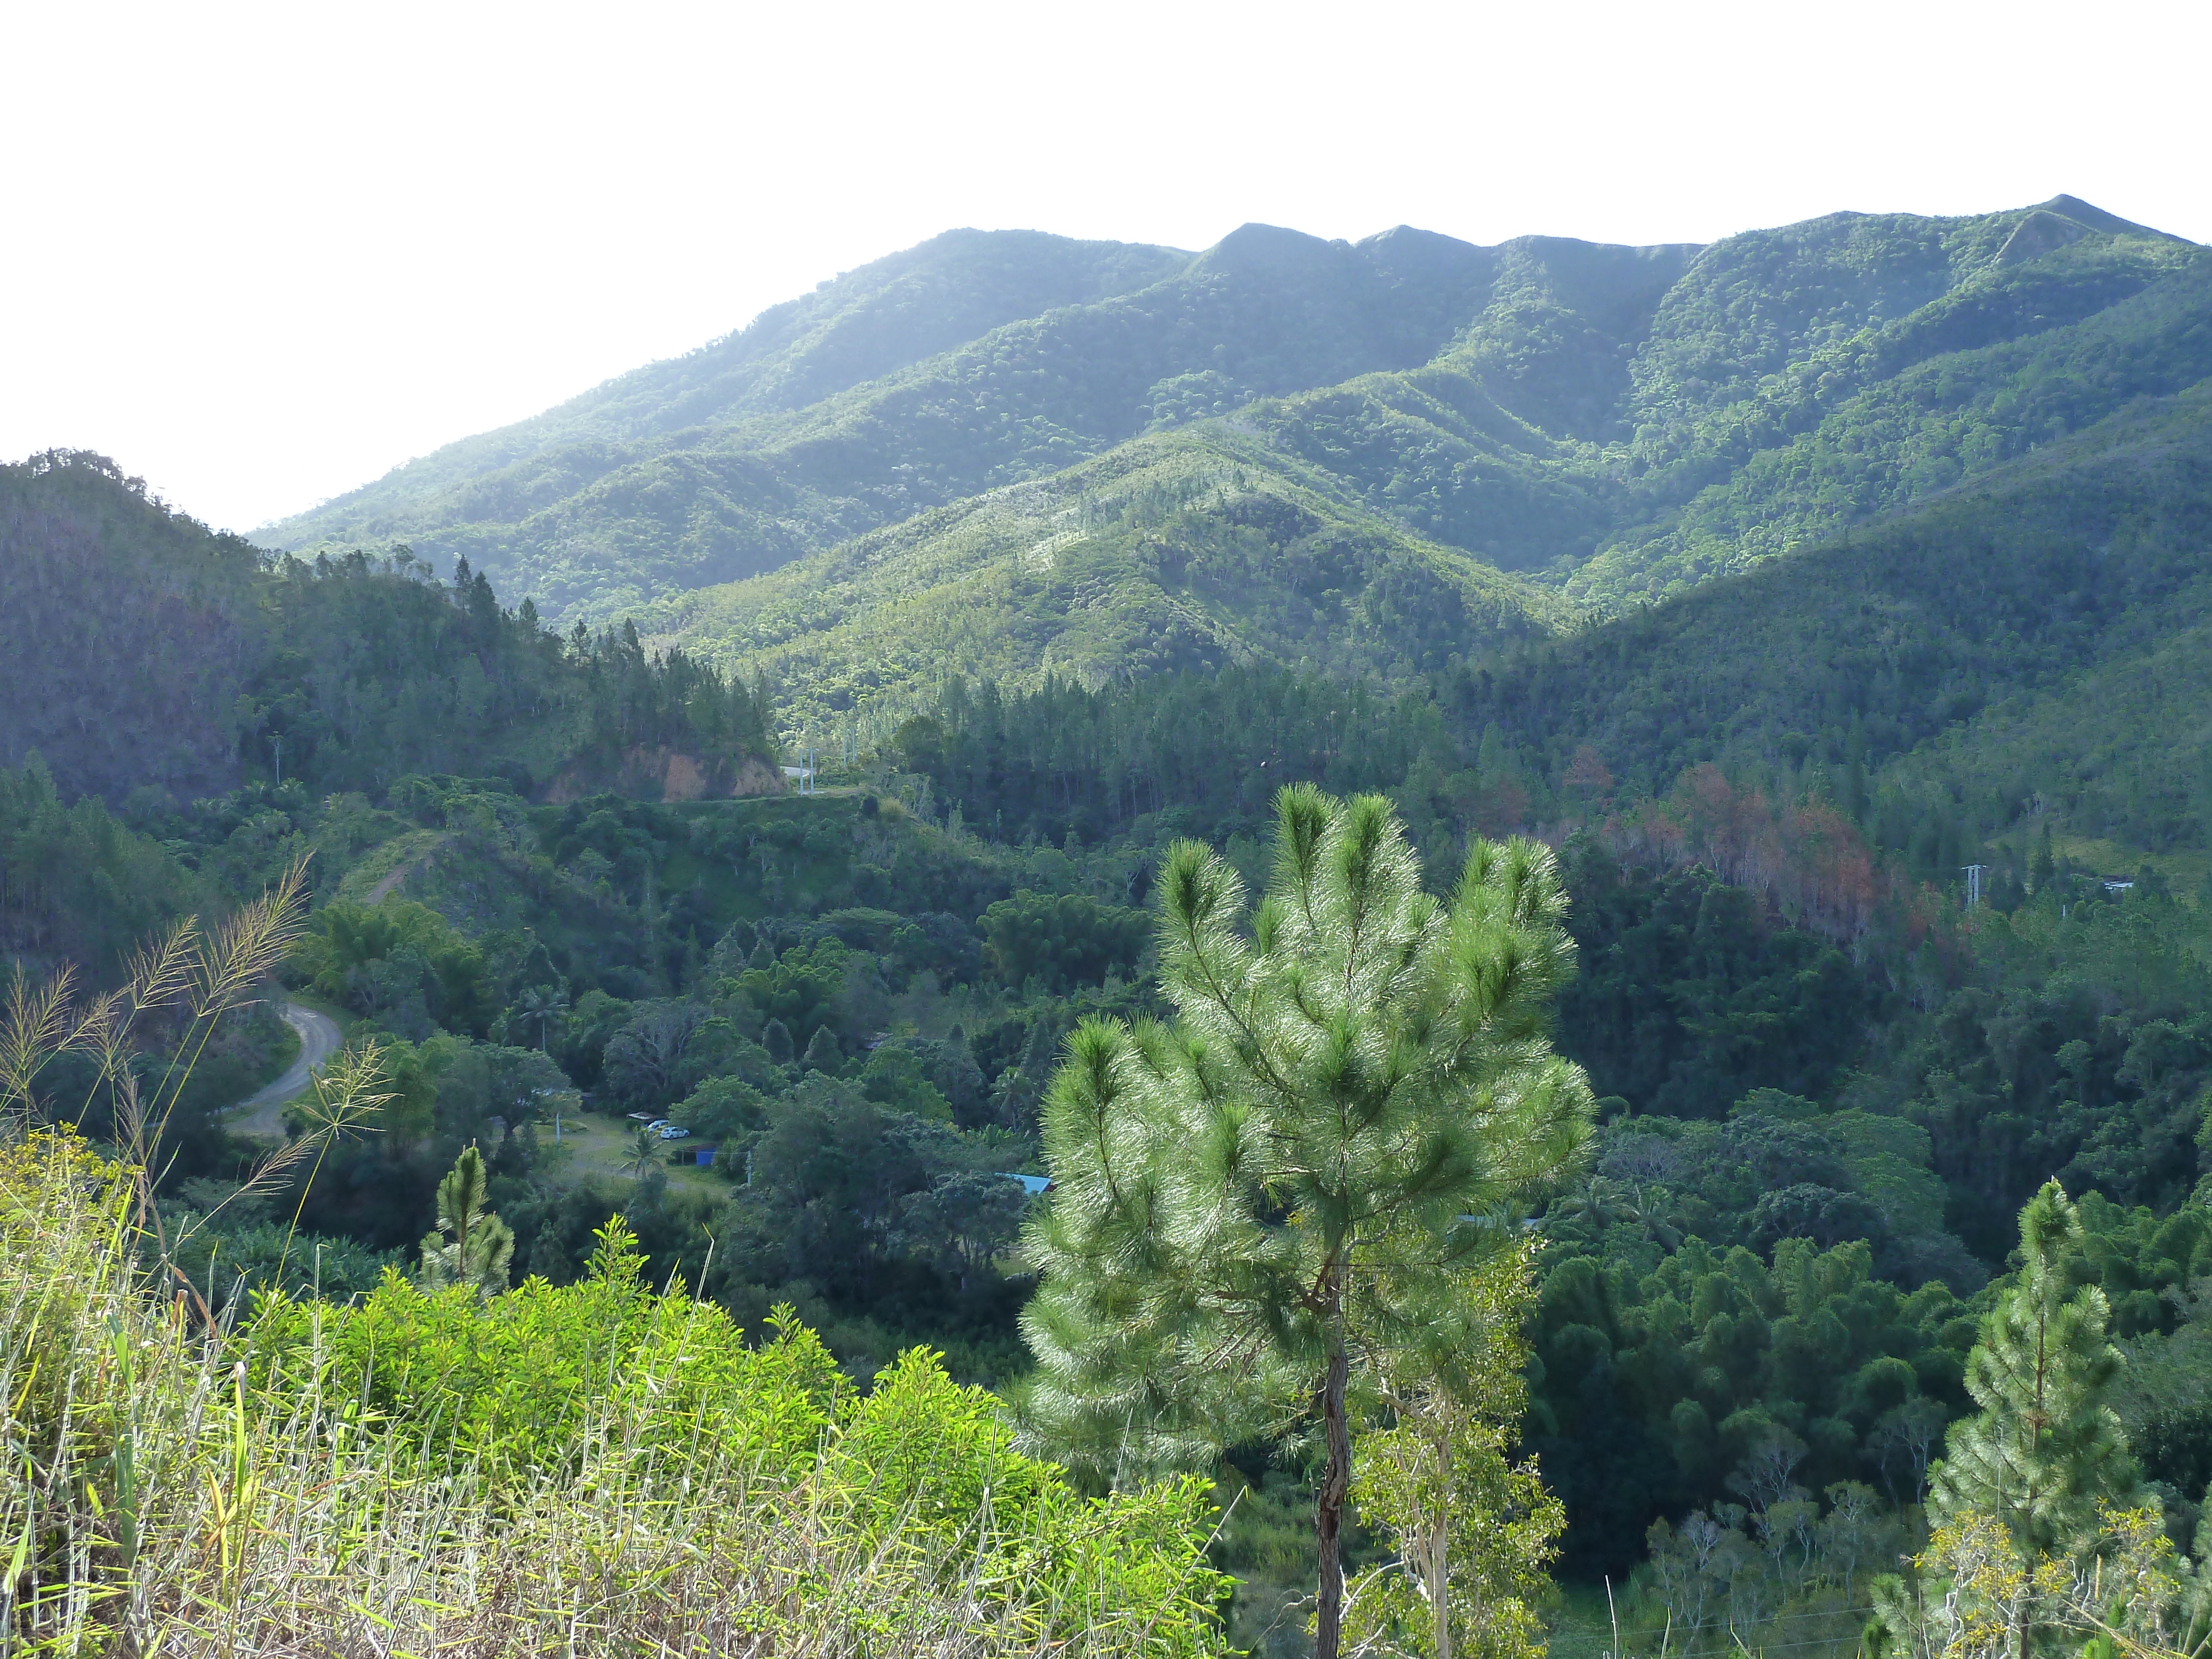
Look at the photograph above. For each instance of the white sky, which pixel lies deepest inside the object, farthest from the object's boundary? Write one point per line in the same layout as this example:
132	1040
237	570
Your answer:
260	254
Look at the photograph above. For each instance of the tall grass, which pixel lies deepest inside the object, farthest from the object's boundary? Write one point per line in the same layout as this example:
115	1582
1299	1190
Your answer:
171	1484
157	1500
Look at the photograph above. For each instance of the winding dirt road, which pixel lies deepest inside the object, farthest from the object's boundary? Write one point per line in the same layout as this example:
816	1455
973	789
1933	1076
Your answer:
263	1114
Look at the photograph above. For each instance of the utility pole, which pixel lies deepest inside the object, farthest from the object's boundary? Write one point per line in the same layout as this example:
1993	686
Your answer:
1974	884
276	745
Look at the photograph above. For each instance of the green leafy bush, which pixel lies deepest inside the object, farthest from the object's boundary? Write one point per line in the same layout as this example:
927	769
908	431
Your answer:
589	1468
1061	938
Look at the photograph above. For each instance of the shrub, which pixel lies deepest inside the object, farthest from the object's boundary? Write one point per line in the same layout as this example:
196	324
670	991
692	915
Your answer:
593	1468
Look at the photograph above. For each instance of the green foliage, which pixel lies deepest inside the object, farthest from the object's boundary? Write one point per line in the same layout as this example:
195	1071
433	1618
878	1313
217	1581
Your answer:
1284	1174
1487	1518
823	1053
1689	996
1178	553
799	991
472	1247
596	1434
894	1077
2089	1056
125	629
512	1383
2046	1448
400	963
81	885
723	1111
1664	1373
1058	938
346	673
1474	1532
231	1257
2040	1483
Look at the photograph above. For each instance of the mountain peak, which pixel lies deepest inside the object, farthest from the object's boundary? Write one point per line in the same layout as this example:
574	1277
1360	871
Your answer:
1258	249
2095	218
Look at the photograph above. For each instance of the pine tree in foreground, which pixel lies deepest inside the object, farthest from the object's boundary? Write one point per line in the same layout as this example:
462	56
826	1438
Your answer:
1290	1182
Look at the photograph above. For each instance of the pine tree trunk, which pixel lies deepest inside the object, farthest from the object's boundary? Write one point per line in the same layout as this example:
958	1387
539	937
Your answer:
1439	1549
1328	1508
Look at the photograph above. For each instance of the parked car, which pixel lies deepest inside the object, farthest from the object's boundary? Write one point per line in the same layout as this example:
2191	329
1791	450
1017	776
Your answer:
670	1132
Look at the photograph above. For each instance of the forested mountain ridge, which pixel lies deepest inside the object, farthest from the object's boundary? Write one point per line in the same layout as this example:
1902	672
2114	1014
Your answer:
1214	545
1942	624
1626	422
1266	311
858	326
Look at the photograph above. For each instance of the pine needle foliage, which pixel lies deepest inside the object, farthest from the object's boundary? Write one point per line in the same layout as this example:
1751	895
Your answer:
1256	1201
472	1246
2029	1486
2046	1446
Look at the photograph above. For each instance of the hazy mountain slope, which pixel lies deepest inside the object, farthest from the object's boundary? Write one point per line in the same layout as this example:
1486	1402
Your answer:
860	326
596	526
126	632
143	655
1555	342
1190	550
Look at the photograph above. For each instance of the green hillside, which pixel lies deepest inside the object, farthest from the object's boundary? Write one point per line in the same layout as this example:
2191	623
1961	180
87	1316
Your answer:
2039	581
1790	382
862	325
1185	551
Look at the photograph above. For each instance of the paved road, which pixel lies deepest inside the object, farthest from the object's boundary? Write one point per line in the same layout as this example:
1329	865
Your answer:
263	1114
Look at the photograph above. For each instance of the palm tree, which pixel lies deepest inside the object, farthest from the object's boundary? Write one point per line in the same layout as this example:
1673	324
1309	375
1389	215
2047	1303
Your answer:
544	1004
1599	1203
643	1156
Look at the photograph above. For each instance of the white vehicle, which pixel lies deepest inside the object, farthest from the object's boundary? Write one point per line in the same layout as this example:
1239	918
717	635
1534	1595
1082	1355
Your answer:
670	1132
659	1124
